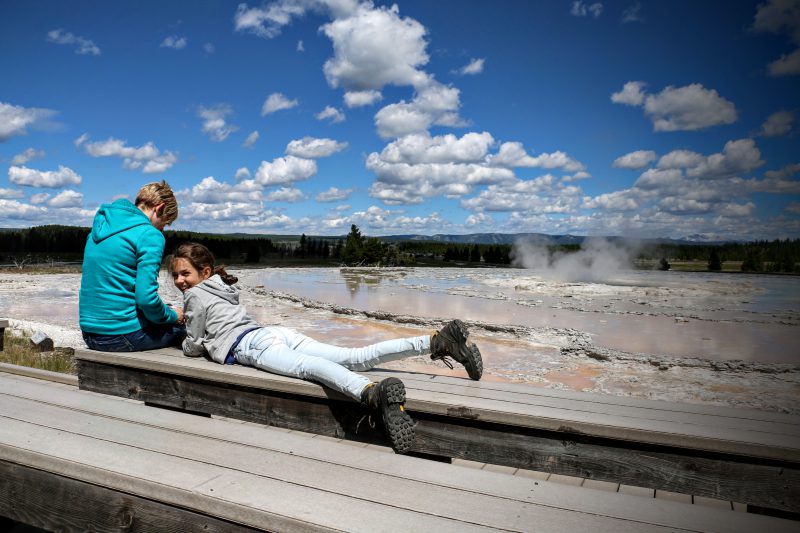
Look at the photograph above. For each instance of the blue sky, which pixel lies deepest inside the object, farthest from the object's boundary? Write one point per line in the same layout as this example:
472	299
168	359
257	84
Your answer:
632	118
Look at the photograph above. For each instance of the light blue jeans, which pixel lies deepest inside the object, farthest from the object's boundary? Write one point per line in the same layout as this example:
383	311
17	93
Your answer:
285	351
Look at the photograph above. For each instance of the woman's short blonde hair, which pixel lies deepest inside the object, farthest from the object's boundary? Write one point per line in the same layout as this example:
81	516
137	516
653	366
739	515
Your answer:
156	193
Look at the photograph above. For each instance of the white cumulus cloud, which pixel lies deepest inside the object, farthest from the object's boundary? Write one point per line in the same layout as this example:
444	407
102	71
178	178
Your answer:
12	209
544	194
374	47
268	21
784	172
680	159
11	194
39	198
362	98
14	120
212	192
51	179
423	148
173	41
251	139
475	66
781	17
334	194
314	148
786	65
242	173
688	108
737	157
434	104
584	9
632	93
66	198
27	155
777	124
635	160
330	114
285	170
277	102
614	201
512	154
286	194
214	121
147	157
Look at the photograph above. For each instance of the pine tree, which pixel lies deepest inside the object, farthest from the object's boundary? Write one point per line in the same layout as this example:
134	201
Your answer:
714	262
352	251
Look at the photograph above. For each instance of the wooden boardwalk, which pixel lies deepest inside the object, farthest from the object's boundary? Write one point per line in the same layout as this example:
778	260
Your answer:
3	326
737	455
76	460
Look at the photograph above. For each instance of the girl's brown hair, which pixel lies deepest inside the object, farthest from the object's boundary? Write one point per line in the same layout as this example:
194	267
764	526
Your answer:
200	257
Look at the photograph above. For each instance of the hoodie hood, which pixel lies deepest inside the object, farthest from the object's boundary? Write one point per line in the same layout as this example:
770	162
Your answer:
113	218
214	285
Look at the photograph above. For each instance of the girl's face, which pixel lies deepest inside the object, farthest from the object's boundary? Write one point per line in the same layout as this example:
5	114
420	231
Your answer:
185	276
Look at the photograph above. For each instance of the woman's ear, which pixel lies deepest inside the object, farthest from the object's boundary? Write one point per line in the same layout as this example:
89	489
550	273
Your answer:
206	272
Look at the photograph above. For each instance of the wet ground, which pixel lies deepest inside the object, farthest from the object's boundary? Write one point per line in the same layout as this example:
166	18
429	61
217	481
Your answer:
724	339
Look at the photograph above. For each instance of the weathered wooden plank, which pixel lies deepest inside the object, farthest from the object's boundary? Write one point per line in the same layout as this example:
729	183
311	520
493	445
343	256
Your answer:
58	377
241	497
775	484
769	483
437	474
57	503
741	419
3	326
334	418
703	437
481	387
725	439
700	435
459	505
489	389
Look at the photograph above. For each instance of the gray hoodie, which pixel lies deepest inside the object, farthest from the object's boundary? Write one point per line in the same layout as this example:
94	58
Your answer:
214	319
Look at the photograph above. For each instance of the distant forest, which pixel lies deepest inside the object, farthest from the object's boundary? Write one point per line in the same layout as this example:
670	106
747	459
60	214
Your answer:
44	244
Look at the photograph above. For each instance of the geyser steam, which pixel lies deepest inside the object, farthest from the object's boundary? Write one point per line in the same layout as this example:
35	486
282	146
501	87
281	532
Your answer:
598	259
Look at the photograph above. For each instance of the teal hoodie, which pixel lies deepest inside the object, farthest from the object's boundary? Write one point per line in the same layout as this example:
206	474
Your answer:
119	285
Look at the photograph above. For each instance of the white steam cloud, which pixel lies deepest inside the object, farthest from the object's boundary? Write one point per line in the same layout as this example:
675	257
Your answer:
598	260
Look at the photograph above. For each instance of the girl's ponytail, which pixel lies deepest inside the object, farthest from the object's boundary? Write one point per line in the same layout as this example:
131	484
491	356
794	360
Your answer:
227	278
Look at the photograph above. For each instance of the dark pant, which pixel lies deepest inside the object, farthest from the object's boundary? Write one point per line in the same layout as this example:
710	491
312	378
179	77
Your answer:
151	337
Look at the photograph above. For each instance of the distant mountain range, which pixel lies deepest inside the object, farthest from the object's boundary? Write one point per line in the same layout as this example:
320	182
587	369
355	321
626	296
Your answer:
485	238
540	238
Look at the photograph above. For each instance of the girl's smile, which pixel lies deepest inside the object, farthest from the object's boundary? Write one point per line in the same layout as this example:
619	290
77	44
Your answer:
185	276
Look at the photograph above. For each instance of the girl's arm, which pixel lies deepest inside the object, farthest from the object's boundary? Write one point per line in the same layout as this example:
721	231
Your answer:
195	315
149	252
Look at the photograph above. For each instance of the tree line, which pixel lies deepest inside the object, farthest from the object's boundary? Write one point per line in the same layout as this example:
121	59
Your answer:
780	255
66	243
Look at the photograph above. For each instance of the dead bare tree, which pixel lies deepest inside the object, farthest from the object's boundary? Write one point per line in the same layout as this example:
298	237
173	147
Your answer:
20	263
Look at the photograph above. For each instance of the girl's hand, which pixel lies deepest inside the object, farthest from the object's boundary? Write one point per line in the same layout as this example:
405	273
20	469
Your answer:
181	317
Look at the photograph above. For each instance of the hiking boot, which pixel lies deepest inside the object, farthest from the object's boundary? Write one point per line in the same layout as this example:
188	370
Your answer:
388	397
451	341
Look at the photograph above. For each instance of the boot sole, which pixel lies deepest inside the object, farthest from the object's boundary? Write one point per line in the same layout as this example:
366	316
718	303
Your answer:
399	426
474	363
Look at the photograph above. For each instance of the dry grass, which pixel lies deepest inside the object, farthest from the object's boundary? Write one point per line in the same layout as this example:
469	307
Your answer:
18	350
